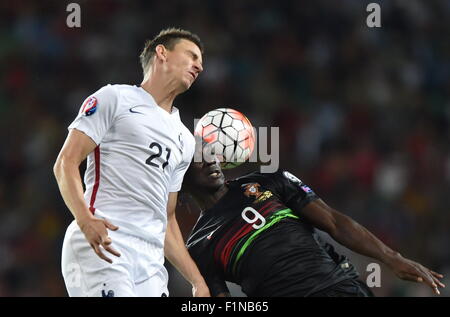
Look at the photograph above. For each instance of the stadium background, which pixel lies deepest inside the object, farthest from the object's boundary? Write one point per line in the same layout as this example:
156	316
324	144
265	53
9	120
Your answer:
363	113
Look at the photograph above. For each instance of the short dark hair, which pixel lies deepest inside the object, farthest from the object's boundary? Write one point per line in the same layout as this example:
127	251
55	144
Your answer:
169	38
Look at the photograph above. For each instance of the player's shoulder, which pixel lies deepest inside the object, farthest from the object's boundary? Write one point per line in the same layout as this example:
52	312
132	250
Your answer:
279	176
108	92
189	141
120	88
105	90
189	136
288	176
124	89
256	177
130	95
187	133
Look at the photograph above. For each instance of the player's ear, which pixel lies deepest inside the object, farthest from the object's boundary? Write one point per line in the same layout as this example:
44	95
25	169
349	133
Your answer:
161	52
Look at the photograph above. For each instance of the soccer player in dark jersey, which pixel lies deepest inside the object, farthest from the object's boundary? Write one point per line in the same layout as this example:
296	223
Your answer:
258	231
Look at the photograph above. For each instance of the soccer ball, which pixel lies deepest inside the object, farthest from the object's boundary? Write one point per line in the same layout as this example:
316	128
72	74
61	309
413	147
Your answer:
227	134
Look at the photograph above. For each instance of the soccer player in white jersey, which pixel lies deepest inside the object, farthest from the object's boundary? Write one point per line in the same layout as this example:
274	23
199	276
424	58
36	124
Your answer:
137	152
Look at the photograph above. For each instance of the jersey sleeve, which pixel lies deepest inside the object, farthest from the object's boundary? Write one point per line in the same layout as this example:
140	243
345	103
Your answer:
97	114
292	191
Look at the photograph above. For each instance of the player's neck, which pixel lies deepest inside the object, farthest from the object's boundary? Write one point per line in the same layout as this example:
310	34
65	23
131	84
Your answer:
211	199
164	92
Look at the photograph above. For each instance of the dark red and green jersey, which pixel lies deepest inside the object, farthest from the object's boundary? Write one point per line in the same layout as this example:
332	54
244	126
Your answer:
255	236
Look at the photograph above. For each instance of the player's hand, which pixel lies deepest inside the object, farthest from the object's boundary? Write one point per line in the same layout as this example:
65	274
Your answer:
200	290
95	231
412	271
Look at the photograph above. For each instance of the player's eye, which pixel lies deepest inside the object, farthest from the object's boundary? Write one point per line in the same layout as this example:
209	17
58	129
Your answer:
193	55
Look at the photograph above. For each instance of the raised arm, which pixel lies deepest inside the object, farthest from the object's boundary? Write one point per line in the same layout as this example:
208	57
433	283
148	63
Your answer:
177	254
354	236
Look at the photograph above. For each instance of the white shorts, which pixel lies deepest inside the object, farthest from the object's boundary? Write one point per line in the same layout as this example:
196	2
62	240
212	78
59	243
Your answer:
139	271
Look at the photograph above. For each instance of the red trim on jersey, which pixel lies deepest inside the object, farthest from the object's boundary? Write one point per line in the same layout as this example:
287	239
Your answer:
97	179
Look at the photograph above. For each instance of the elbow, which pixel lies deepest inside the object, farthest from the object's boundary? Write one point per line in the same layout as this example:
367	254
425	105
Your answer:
171	217
335	224
333	230
57	167
344	227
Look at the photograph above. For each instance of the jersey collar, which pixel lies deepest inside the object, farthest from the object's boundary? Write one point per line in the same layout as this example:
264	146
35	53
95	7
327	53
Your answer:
175	112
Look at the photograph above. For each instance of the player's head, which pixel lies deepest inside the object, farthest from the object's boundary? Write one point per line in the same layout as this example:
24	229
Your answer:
176	53
204	177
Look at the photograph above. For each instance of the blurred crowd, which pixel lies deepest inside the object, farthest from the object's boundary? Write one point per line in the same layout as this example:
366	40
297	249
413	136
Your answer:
363	112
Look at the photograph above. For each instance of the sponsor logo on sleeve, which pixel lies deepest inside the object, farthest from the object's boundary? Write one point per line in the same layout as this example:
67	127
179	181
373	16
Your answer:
298	182
89	107
306	189
292	178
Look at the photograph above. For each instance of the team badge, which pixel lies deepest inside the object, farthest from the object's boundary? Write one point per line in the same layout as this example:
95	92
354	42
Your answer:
252	190
89	107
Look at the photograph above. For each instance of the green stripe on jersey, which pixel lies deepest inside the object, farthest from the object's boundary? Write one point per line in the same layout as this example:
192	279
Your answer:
276	217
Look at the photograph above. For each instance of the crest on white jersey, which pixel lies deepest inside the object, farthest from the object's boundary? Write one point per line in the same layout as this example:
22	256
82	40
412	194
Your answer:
90	106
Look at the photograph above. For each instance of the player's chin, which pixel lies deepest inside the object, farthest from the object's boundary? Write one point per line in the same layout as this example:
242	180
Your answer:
186	84
215	181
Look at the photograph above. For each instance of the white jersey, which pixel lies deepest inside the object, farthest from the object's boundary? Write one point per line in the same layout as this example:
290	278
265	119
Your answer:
142	154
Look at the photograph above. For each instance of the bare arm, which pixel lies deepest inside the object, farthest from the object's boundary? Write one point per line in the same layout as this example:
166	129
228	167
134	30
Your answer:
176	252
352	235
66	169
74	151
